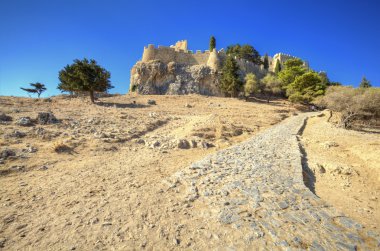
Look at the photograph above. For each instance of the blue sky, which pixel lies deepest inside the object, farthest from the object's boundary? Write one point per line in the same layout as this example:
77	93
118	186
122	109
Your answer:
38	38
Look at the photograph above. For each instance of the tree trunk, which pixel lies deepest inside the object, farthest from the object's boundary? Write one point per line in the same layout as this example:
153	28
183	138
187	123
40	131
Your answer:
92	97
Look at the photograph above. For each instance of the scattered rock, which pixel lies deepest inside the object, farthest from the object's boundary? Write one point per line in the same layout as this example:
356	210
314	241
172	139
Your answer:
5	118
237	132
187	105
45	118
17	134
4	154
155	144
329	144
206	145
2	242
176	241
151	102
140	141
321	168
183	144
194	143
24	121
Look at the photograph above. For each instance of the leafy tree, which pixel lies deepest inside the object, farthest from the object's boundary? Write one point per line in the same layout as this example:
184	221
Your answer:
212	43
230	81
251	85
271	85
293	68
365	83
305	88
247	52
277	69
84	76
38	88
266	62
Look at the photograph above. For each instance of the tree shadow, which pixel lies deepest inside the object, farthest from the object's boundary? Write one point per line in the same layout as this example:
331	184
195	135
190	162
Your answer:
263	101
121	105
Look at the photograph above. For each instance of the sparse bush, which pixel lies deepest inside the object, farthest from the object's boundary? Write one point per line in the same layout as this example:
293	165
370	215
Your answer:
60	147
354	105
251	85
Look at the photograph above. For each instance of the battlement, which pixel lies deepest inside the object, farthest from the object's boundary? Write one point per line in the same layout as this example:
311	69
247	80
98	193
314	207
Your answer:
179	53
176	53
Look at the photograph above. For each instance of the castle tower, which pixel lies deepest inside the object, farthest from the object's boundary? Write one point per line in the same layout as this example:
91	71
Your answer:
149	53
213	60
181	45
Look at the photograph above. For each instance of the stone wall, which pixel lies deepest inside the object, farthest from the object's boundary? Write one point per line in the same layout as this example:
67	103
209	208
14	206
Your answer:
170	54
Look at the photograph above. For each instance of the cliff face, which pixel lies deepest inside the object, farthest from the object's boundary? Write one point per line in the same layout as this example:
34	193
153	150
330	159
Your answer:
156	77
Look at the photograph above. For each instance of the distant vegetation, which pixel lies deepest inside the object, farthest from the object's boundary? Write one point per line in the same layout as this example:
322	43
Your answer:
38	88
84	76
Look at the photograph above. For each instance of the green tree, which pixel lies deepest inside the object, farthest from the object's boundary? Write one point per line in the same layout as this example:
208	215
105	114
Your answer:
246	51
277	69
251	85
324	78
365	83
305	88
84	76
37	88
271	86
230	81
293	68
212	43
266	62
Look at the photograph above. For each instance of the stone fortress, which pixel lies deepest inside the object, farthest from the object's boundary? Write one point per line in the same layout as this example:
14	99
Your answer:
177	70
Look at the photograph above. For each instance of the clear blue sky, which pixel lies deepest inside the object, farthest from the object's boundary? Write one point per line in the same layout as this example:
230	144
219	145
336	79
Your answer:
38	38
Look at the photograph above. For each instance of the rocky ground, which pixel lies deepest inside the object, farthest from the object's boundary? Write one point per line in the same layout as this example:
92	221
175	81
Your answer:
134	172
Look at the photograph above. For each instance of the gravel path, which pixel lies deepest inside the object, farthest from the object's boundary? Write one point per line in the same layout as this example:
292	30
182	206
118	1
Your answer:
257	189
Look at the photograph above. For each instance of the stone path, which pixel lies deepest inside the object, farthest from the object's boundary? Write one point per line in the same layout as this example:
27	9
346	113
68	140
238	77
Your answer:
257	189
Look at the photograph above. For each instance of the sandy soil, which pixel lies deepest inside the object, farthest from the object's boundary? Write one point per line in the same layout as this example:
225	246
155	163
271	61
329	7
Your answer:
105	189
346	165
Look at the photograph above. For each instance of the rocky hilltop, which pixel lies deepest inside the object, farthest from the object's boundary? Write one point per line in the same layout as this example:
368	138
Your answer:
157	77
177	70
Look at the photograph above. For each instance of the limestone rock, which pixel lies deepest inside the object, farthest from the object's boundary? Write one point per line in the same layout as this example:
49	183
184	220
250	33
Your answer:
45	118
156	77
183	144
24	121
5	118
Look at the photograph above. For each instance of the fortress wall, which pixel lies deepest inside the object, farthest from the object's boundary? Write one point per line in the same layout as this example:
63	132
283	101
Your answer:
167	54
249	67
201	58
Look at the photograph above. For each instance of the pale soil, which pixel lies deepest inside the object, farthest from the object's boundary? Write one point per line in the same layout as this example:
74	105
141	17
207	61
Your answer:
108	192
351	159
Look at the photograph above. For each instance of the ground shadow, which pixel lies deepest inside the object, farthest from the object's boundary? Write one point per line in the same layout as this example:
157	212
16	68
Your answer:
121	105
309	178
264	101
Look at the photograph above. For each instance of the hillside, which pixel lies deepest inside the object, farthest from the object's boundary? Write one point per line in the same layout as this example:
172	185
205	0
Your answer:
105	176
